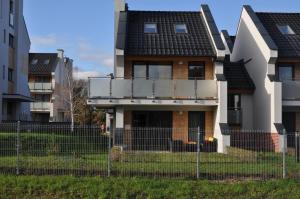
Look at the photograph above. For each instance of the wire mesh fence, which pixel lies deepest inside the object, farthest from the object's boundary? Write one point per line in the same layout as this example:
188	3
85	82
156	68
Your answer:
59	149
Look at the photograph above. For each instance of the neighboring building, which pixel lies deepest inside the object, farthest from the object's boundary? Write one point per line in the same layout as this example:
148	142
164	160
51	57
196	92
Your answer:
168	73
49	75
14	49
272	42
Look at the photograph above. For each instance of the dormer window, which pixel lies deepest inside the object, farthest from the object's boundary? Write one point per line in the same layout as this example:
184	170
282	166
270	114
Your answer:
47	61
34	61
180	28
285	29
150	28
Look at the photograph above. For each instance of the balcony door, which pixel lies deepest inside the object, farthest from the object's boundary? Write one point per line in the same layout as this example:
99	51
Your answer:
196	119
152	130
289	123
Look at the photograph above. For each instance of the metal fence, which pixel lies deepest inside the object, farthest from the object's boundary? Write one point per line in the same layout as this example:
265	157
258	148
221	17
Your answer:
54	149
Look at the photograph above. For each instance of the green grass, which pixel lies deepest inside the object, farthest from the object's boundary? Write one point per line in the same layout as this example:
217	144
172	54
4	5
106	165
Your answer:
94	187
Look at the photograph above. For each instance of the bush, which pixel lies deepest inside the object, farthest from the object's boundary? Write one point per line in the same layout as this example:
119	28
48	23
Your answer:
40	144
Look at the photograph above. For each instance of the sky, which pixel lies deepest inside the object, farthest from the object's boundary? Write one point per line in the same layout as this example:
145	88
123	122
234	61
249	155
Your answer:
85	29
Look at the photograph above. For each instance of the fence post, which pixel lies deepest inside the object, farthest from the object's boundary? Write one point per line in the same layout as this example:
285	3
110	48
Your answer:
198	152
18	148
284	140
297	146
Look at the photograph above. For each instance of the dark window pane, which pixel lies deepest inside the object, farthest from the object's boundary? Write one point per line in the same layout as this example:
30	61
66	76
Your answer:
197	70
285	73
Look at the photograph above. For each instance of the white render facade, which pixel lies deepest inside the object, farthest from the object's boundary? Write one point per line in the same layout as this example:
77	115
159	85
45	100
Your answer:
14	49
50	89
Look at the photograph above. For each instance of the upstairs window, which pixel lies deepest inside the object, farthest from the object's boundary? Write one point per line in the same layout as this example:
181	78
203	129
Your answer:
196	70
180	28
11	41
47	61
34	61
10	75
285	29
150	28
285	72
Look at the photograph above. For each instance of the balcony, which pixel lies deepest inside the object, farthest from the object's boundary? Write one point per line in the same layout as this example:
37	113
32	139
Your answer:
290	90
234	116
41	106
40	87
152	89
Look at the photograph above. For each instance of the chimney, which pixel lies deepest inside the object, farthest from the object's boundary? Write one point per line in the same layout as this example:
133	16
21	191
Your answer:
60	53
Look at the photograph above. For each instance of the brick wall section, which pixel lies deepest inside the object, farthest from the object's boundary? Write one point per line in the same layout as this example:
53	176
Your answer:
180	71
298	121
209	124
127	132
255	141
180	125
297	71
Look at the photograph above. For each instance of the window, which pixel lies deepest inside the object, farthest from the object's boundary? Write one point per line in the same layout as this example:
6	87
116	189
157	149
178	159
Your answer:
11	13
10	74
3	72
234	101
180	28
285	29
160	71
197	70
34	61
150	28
11	41
47	61
285	72
140	71
4	36
153	70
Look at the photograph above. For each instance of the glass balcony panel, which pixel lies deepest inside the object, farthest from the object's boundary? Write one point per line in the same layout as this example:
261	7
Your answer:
206	89
99	87
184	88
142	88
164	88
121	88
290	90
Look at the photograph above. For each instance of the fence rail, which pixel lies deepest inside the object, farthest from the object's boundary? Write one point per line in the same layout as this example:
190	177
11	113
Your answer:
53	149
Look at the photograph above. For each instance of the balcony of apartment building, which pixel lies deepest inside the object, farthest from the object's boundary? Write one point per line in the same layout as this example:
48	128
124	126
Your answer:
155	85
42	103
289	75
40	84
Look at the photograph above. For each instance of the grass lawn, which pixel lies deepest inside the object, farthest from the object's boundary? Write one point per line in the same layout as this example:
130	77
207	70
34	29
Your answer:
95	187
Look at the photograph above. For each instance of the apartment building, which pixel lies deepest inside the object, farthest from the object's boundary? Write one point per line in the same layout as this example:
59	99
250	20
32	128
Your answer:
49	76
272	42
14	49
168	73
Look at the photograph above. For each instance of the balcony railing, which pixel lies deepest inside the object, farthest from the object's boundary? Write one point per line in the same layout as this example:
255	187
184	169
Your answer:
234	116
40	106
290	89
142	88
40	86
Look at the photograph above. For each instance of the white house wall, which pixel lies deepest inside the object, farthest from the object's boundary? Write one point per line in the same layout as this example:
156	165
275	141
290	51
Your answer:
249	44
247	111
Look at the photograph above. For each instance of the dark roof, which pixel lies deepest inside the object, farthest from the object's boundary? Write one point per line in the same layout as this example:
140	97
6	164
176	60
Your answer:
196	42
263	32
228	40
288	45
237	76
40	67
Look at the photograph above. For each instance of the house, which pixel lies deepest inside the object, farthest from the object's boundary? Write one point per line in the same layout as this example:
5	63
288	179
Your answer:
168	73
240	88
14	49
49	76
272	42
